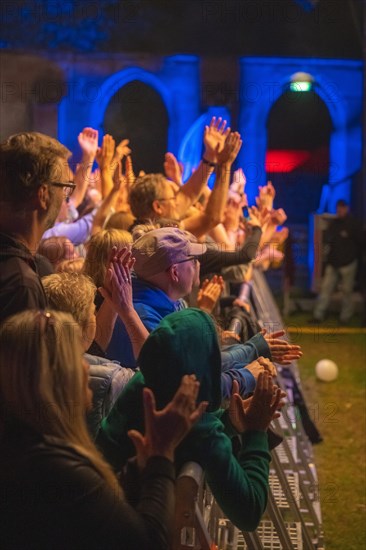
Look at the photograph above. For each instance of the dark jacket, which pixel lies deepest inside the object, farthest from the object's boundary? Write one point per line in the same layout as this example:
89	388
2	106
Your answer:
20	285
215	259
53	497
343	239
184	343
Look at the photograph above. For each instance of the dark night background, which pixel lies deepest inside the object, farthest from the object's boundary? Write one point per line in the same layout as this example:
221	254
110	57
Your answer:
333	28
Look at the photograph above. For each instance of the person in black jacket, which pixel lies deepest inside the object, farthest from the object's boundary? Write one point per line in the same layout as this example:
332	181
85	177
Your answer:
56	490
343	240
34	180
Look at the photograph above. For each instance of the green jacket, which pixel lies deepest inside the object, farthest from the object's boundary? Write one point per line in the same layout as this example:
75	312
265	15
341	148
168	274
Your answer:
186	343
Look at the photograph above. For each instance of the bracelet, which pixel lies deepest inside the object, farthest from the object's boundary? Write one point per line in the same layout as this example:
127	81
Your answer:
212	164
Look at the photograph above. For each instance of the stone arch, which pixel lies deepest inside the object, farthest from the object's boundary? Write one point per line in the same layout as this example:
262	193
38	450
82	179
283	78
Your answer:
333	80
115	82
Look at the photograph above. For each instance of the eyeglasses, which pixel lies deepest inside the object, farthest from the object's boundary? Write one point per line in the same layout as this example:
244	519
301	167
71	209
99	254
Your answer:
168	199
192	258
68	187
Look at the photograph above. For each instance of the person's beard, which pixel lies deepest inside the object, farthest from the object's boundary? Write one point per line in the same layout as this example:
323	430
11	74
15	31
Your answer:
53	210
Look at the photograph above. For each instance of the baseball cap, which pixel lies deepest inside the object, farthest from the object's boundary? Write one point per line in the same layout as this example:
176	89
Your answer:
160	248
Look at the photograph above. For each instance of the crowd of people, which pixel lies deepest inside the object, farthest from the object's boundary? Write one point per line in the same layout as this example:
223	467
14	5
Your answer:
128	341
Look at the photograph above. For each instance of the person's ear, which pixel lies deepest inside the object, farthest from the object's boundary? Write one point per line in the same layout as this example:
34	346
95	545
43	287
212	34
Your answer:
156	207
43	196
173	272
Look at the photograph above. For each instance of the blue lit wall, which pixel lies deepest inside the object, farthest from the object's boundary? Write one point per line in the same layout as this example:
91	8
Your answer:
337	82
177	82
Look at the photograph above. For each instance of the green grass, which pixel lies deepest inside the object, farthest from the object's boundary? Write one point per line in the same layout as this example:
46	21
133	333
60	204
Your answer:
339	411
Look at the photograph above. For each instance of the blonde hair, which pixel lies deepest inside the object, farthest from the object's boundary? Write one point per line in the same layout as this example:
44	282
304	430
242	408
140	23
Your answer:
98	250
70	292
70	266
42	381
120	220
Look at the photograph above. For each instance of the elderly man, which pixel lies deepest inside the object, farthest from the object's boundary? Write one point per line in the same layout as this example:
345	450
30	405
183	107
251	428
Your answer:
166	269
34	181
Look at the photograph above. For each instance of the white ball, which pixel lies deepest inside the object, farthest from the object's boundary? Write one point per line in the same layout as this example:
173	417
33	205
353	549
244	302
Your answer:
326	370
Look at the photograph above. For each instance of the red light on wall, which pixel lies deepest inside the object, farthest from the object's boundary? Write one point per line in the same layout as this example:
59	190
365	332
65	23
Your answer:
288	160
285	160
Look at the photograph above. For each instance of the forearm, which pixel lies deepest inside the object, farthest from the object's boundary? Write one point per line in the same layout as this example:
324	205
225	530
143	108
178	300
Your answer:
244	378
239	355
215	259
267	234
157	502
136	330
103	210
217	202
106	318
82	179
220	236
193	188
107	180
241	486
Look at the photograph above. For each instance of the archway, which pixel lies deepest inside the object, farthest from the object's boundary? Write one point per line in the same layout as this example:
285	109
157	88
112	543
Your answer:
137	112
299	130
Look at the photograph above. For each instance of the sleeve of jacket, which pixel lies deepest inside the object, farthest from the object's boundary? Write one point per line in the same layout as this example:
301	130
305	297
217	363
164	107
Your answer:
243	354
96	516
214	259
244	378
77	232
240	485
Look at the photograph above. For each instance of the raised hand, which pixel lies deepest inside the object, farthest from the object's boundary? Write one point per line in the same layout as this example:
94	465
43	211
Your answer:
129	173
105	153
231	149
266	197
257	412
122	149
172	168
117	287
282	352
88	141
278	216
238	183
214	138
209	293
165	429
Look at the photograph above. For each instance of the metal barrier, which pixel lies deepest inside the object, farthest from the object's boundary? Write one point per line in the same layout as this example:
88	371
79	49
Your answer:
292	520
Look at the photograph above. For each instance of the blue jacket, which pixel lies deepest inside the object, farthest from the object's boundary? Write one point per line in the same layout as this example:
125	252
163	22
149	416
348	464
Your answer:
152	305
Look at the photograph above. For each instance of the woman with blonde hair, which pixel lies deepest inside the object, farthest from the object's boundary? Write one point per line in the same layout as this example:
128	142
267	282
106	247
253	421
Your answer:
57	491
98	251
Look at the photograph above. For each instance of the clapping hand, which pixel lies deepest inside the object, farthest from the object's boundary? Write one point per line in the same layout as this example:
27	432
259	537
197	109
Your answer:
105	154
257	412
281	351
117	287
172	169
231	149
165	429
88	141
209	293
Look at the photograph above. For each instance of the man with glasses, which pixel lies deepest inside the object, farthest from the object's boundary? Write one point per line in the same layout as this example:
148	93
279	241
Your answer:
167	267
34	181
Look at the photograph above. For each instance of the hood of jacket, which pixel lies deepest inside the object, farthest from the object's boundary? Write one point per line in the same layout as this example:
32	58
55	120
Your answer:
147	294
10	248
185	342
